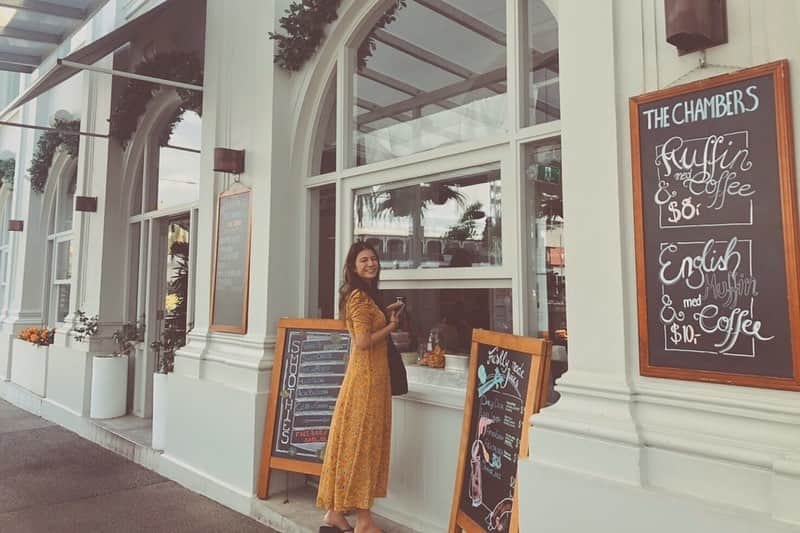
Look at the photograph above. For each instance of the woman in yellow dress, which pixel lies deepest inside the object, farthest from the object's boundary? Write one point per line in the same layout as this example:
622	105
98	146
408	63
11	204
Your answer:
355	470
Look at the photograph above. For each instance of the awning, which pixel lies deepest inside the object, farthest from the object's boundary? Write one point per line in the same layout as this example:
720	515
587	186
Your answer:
89	54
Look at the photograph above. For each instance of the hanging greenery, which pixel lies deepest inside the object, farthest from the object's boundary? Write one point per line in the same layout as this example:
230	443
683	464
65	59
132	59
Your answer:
185	67
46	147
7	167
304	23
368	45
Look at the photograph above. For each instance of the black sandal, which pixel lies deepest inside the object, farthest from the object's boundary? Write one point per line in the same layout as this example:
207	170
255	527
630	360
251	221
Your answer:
334	529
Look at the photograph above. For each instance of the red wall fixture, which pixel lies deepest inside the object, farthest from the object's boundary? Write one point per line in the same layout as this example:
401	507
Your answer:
15	225
696	24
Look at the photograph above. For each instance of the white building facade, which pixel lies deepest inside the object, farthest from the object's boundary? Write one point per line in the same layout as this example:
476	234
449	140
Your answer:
482	147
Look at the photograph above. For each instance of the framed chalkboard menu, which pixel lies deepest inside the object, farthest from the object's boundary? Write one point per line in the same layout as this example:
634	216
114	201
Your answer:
310	361
231	277
716	230
507	384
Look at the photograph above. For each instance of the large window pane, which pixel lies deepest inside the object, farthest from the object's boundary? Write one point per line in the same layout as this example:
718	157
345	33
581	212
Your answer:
322	301
177	282
430	74
544	103
325	158
448	316
64	260
179	164
62	302
546	262
66	200
452	221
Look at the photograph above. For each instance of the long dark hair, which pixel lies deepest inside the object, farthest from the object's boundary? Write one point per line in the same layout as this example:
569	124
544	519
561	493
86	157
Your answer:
351	281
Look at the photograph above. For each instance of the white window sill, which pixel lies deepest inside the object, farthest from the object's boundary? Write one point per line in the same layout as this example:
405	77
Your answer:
436	387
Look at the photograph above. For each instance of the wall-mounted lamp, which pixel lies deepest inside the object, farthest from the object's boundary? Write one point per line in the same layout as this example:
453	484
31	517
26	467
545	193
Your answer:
696	24
227	160
86	204
15	225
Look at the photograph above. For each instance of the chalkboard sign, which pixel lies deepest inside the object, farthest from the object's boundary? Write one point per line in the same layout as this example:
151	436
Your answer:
507	383
716	230
231	279
310	362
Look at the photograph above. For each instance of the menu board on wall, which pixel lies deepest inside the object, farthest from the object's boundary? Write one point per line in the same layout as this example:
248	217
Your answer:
231	277
508	381
716	230
310	362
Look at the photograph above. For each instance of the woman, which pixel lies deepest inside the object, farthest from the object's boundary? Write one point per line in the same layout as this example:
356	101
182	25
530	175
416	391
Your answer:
356	465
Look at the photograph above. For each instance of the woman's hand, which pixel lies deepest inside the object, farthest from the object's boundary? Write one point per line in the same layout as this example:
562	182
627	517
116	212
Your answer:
394	316
397	306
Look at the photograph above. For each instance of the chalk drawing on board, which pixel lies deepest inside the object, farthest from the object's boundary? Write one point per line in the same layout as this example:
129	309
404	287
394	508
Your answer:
705	141
749	263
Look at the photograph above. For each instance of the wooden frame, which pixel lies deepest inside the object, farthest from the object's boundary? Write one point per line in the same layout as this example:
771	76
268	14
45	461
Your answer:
242	328
535	399
779	70
268	462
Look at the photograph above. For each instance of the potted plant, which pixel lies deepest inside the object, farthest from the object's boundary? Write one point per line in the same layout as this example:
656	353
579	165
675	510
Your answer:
164	350
29	364
109	371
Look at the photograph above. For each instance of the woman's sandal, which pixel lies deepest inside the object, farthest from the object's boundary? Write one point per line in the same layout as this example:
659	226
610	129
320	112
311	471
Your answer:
327	528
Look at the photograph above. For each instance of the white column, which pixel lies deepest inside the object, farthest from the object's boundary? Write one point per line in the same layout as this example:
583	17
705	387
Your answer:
218	392
591	428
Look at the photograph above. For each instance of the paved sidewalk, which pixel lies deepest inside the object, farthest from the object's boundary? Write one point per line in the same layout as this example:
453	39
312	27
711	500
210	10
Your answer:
53	481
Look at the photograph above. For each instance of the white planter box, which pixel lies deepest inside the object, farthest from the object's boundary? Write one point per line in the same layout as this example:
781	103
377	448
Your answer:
69	374
160	382
109	387
29	366
6	345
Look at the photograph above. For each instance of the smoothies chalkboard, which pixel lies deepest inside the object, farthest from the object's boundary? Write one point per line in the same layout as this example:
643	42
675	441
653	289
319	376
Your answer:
507	384
716	230
231	277
310	361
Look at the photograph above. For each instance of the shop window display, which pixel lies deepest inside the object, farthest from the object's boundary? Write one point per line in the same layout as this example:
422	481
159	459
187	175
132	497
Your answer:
450	221
445	318
546	259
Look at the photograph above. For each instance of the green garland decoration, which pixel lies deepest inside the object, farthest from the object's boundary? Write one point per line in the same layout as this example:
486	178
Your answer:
304	23
185	67
368	45
46	147
7	167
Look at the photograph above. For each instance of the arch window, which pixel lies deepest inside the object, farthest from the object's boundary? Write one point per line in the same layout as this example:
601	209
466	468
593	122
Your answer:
162	244
441	112
60	249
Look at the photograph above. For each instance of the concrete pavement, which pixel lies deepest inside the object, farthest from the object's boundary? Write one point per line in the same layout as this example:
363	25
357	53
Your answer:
53	481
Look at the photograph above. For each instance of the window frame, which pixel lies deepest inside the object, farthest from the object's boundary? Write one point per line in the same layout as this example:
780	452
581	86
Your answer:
506	150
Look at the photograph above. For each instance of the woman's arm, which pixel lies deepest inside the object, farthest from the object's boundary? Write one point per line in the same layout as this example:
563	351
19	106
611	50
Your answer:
358	309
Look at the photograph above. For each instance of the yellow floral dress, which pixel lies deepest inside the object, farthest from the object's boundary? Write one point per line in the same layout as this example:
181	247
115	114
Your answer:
356	465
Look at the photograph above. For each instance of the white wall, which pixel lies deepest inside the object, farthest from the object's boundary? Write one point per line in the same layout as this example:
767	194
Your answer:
638	453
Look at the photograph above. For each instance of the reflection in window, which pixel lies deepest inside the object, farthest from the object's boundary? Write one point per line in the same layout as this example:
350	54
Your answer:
449	316
179	164
175	326
544	102
443	222
430	74
546	261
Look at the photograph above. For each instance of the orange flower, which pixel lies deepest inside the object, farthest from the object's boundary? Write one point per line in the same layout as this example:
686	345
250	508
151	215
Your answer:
34	338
